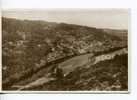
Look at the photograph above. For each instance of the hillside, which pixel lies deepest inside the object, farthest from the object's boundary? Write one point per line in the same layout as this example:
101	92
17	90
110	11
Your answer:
33	49
120	33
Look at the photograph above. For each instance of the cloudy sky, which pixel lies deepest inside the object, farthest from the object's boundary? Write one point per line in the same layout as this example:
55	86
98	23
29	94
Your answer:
100	18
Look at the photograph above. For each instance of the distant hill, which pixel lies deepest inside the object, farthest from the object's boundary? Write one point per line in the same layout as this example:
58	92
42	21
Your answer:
120	33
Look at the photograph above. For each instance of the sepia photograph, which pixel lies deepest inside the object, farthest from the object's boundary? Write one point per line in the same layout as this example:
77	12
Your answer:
65	49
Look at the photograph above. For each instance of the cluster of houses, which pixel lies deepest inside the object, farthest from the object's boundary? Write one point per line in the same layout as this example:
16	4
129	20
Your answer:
70	45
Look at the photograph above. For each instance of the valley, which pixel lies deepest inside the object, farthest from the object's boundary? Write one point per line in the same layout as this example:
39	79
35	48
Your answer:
40	55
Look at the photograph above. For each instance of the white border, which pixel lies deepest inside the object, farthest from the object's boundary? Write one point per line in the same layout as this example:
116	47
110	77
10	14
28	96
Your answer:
83	4
79	92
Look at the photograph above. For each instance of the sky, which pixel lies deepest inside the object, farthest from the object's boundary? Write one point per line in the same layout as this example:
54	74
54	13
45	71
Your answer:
99	18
